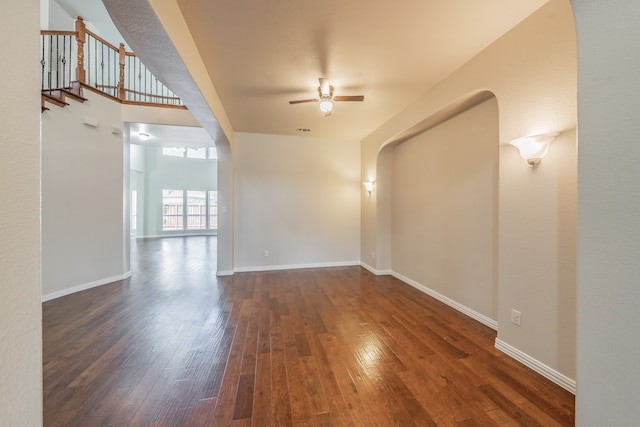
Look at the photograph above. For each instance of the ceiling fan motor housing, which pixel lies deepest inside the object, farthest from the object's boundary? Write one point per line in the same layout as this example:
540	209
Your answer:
325	96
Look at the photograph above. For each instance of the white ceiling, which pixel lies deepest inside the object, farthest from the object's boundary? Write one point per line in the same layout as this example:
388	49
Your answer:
95	16
170	136
262	53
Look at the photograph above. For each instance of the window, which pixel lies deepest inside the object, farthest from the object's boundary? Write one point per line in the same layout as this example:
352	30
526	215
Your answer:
196	210
173	151
201	211
191	153
172	209
196	153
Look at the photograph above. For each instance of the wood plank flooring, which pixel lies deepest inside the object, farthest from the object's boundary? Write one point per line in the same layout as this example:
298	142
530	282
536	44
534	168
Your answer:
176	346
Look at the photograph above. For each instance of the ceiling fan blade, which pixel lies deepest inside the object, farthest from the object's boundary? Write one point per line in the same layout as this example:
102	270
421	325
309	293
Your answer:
349	98
302	101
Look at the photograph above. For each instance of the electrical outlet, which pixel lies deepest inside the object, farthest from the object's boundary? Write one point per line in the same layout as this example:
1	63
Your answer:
266	252
516	317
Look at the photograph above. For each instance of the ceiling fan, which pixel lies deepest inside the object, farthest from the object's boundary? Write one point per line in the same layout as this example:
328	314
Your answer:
325	96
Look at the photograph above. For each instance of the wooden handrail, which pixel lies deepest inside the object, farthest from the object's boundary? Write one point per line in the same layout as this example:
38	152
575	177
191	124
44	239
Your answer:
101	40
135	92
108	68
155	104
58	33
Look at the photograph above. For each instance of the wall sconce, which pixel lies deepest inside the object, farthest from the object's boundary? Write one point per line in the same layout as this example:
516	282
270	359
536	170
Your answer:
368	185
534	148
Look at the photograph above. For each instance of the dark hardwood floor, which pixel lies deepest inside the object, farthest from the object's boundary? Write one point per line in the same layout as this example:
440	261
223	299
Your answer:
176	346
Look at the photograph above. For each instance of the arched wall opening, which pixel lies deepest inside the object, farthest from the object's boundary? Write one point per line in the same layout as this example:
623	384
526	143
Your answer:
438	194
532	72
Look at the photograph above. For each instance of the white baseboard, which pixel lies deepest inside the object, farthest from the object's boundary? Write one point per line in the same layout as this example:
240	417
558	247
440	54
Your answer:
296	266
224	273
461	308
159	236
83	287
539	367
547	372
374	271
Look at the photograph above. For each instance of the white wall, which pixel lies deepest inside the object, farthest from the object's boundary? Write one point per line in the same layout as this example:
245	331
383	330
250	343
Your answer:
444	206
20	308
609	213
137	157
136	179
173	173
226	234
299	199
531	70
57	18
83	211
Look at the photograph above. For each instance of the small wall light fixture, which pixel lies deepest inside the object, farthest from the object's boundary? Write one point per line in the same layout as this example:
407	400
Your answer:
368	185
533	148
91	121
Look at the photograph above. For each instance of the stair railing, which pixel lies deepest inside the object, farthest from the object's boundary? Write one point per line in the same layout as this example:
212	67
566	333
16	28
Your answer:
58	58
82	56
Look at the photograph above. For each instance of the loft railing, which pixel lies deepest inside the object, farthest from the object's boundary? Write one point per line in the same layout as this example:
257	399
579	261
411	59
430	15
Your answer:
142	86
84	57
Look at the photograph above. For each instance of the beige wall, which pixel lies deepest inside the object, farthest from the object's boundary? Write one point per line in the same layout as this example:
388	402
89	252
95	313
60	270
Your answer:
532	73
609	213
444	205
132	113
20	308
298	198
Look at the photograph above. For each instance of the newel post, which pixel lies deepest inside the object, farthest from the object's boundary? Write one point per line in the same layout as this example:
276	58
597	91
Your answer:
121	91
80	39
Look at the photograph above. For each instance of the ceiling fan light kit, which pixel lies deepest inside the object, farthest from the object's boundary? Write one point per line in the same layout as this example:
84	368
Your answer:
326	107
325	96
